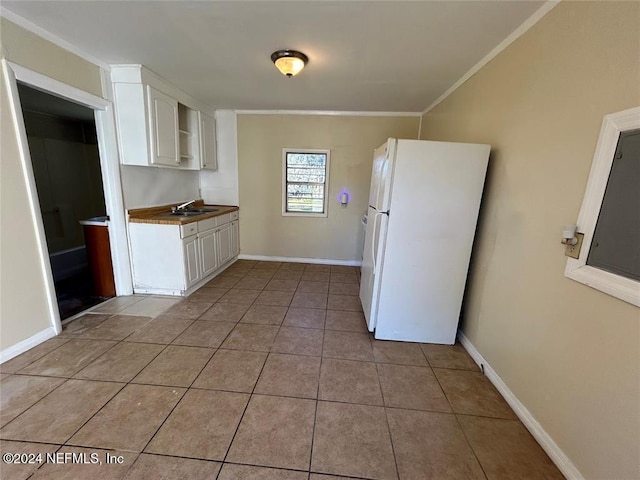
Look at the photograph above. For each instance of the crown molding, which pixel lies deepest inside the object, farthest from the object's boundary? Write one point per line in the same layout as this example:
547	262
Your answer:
335	113
45	34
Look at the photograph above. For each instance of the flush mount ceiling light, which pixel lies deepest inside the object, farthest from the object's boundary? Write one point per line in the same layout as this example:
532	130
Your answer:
289	62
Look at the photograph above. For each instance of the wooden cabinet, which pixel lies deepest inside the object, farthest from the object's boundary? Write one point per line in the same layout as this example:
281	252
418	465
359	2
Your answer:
96	239
208	155
163	126
176	259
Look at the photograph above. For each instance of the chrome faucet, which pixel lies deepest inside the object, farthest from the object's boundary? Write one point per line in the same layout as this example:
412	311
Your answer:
182	206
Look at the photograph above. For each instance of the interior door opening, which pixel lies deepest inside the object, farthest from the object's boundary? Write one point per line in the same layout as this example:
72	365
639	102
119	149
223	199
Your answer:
64	153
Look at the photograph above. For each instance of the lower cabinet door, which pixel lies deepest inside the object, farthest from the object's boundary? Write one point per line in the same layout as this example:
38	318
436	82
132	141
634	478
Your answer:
224	243
208	251
191	265
235	238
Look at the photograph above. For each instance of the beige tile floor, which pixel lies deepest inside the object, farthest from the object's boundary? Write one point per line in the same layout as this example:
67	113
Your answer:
267	372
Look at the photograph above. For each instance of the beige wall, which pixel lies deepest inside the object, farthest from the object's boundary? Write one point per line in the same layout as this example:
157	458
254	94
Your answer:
23	301
150	187
35	53
568	352
261	138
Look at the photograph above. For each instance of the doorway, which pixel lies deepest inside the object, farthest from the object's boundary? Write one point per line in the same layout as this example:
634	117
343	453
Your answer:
63	144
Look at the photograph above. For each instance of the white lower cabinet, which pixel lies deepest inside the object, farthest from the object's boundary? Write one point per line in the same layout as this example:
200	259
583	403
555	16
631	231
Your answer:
224	243
235	238
191	254
173	259
208	241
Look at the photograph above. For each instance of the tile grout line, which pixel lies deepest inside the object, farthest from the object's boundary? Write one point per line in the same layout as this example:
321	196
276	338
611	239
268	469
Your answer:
188	387
250	397
64	337
458	422
66	380
137	454
256	383
464	434
315	413
236	323
66	444
41	463
393	449
33	405
166	345
343	402
386	417
234	350
246	407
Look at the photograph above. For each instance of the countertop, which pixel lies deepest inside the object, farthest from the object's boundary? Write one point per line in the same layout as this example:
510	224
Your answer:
96	221
162	214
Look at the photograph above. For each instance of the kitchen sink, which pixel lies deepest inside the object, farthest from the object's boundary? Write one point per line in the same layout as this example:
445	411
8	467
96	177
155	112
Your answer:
186	213
203	210
192	212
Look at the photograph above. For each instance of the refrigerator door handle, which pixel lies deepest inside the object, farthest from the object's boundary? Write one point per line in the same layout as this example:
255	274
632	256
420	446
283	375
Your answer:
382	186
374	246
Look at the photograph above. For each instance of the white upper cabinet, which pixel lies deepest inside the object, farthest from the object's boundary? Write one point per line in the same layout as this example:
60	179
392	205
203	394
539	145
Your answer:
189	136
159	125
208	157
163	123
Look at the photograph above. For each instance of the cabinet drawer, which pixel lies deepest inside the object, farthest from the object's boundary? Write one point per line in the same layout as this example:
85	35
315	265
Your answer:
234	215
222	219
207	224
188	229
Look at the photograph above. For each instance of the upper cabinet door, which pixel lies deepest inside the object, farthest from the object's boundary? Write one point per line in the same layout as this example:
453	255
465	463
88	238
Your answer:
163	122
208	157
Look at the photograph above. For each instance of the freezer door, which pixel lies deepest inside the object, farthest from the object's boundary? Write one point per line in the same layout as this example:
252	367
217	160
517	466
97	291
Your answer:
379	192
372	265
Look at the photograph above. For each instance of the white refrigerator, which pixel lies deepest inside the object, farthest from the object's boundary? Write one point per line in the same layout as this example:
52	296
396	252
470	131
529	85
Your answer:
423	209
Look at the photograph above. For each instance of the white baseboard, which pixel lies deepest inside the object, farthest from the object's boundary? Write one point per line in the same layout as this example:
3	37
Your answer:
158	291
23	346
321	261
558	457
184	293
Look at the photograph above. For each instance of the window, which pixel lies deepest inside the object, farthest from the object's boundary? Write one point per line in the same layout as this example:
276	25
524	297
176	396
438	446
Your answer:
616	239
609	258
305	182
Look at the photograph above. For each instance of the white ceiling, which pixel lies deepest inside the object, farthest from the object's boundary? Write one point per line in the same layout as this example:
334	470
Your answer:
363	55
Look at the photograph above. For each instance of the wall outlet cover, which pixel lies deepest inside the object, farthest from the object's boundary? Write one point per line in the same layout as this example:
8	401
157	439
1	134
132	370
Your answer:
573	251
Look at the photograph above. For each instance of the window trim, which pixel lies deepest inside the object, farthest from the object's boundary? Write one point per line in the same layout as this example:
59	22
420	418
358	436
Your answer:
325	206
624	288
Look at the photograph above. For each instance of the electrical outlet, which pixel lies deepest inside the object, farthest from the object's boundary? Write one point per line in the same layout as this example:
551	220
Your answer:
573	251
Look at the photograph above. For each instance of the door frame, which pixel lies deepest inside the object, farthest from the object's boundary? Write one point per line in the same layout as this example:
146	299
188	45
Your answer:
109	166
